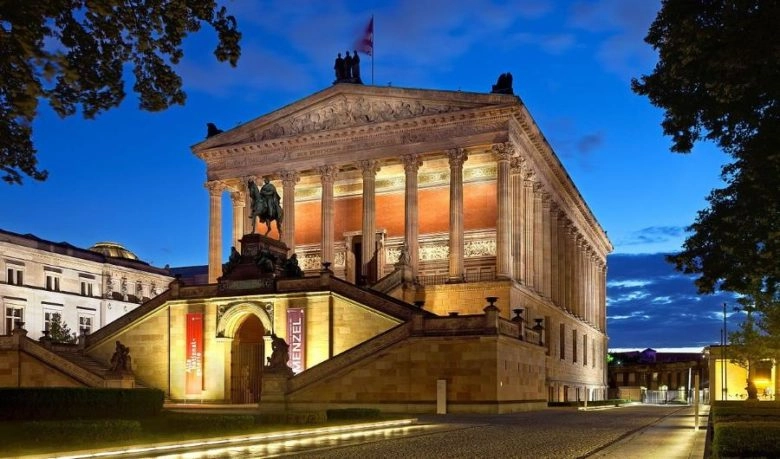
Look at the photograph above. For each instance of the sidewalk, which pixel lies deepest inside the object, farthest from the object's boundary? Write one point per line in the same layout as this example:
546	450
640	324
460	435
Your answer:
671	437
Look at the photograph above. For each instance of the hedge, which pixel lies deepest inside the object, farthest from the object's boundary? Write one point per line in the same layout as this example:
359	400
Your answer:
746	439
199	422
53	403
353	413
78	431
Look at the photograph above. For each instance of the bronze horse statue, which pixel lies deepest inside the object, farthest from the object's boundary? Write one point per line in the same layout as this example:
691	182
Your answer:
265	206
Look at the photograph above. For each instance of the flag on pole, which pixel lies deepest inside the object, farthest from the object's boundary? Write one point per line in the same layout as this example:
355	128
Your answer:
365	44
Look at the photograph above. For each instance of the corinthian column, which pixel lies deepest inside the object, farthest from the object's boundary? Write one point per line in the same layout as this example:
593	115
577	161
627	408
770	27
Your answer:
528	227
215	229
238	197
327	176
289	179
411	221
369	169
538	230
457	251
546	247
504	154
553	255
518	219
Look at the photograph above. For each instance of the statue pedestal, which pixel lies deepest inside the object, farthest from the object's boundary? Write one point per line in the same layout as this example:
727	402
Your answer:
273	398
261	261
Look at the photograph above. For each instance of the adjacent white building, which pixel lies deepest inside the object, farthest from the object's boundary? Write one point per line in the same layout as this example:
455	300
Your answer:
89	288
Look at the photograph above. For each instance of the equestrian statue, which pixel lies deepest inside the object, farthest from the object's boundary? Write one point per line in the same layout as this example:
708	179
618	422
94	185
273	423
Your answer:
266	205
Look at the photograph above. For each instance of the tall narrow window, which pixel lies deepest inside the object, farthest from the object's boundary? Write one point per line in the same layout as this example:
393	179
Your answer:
85	324
52	282
562	338
15	276
585	350
13	314
574	346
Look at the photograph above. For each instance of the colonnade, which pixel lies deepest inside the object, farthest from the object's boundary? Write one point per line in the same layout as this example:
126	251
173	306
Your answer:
537	243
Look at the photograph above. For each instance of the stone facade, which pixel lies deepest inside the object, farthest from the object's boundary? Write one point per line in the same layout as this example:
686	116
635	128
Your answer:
88	288
443	246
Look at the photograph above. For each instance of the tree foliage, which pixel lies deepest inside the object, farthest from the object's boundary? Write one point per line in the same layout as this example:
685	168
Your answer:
73	53
718	79
59	332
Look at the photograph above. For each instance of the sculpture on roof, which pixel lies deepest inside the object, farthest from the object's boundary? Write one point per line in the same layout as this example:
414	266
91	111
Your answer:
212	130
347	69
266	205
503	85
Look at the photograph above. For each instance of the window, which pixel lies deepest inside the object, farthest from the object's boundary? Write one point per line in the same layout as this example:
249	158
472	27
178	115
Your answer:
574	346
13	314
585	350
86	288
15	276
562	338
85	324
52	282
48	318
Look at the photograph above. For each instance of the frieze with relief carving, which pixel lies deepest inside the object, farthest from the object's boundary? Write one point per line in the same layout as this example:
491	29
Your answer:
351	111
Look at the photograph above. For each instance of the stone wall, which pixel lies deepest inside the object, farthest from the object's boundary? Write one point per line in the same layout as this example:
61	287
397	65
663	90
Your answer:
484	374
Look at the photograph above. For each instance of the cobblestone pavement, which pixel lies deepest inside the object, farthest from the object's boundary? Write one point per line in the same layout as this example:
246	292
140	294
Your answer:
550	433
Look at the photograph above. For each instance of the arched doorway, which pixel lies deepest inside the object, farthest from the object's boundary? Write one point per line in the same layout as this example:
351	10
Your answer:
247	360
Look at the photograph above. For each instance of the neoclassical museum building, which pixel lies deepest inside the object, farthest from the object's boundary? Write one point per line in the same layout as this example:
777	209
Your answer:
449	264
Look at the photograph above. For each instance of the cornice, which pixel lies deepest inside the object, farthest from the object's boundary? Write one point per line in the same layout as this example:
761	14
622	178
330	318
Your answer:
549	170
419	135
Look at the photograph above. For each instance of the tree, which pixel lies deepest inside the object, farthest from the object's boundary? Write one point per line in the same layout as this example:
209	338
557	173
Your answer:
59	331
72	53
718	80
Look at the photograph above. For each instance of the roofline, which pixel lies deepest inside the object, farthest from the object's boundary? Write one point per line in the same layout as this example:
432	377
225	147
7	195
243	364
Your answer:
63	248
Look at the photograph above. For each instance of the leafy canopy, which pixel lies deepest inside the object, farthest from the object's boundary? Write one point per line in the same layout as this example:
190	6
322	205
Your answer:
72	54
718	79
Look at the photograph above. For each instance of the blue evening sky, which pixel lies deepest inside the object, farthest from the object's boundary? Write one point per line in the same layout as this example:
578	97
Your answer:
130	177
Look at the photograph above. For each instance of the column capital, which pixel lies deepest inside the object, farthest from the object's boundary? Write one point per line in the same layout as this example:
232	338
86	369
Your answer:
504	151
457	156
327	173
539	189
238	198
518	164
215	187
369	167
289	177
411	162
546	200
529	176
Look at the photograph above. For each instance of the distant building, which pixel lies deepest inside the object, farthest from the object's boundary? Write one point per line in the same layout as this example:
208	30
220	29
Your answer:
633	374
729	382
88	288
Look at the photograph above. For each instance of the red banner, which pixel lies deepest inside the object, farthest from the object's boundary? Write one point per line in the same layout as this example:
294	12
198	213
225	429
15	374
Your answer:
296	333
193	367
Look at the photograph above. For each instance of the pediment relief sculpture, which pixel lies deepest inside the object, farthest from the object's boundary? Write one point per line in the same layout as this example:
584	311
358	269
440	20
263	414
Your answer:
345	112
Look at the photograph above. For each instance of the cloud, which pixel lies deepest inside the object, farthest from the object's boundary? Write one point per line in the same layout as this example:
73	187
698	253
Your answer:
652	305
590	142
654	235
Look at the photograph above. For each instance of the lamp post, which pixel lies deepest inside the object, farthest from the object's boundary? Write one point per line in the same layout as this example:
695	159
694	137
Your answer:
725	357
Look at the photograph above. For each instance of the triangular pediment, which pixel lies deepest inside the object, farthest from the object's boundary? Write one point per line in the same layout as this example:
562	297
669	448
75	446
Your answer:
346	105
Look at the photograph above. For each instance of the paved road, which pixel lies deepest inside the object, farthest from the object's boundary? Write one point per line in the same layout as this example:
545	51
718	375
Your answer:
550	433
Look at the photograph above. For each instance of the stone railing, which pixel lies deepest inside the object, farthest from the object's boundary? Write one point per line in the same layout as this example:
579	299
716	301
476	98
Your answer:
112	328
62	364
389	282
349	357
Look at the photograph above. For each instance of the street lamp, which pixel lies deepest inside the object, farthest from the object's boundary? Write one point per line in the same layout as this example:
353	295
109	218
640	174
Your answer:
724	370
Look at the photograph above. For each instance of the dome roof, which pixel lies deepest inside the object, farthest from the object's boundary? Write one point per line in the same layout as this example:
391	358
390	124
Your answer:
112	249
